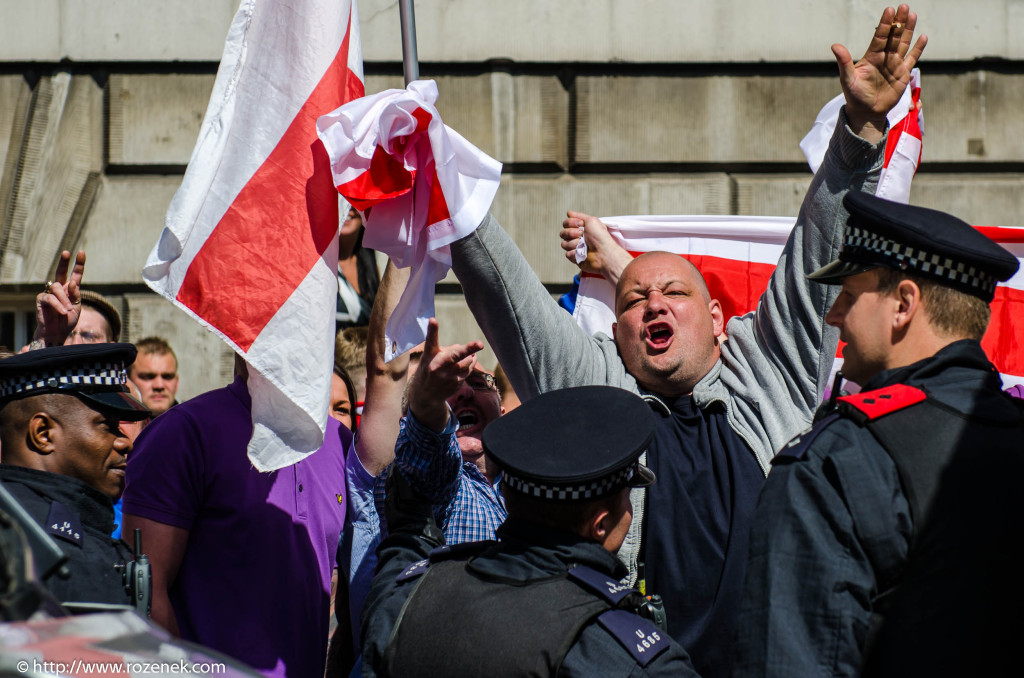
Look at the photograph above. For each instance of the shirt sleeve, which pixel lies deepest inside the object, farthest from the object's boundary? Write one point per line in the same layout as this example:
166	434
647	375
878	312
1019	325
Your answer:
826	526
430	461
358	555
166	467
539	345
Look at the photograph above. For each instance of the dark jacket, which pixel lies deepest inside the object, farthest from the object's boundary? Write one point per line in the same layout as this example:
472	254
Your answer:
527	554
80	520
836	545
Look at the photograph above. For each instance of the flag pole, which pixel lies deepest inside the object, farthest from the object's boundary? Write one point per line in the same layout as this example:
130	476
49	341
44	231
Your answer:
410	61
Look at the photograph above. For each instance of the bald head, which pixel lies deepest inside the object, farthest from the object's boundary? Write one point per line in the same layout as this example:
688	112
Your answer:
667	325
639	269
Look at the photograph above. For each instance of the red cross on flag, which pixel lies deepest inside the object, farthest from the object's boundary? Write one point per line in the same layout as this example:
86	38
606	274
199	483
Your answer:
249	246
426	184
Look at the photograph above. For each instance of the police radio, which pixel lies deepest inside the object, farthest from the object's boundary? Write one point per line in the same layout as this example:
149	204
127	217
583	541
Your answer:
136	575
653	609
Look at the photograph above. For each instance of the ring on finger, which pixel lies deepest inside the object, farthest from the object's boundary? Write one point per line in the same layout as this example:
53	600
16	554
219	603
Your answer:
46	290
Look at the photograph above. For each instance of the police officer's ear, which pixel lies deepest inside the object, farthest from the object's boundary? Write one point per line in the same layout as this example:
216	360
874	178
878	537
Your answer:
43	431
908	294
599	524
602	520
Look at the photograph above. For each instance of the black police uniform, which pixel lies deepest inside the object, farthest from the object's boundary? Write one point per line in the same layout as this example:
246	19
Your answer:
80	519
540	601
885	540
77	516
504	612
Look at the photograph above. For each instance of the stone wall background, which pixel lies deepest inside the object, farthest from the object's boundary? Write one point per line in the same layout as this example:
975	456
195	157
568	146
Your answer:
607	106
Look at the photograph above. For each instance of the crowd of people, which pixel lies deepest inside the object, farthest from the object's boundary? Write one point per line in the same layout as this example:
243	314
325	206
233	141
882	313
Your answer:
675	499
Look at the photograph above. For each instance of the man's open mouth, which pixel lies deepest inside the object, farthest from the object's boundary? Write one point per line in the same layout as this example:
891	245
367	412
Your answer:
468	420
658	335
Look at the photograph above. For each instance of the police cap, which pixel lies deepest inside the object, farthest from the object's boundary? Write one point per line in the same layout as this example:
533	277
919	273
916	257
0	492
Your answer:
95	373
575	444
921	241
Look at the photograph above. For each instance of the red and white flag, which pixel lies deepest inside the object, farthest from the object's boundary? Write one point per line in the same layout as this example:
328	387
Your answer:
249	246
737	256
427	187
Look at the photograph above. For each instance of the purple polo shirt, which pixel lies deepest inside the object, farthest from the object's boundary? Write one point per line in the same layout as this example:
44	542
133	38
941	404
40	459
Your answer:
255	578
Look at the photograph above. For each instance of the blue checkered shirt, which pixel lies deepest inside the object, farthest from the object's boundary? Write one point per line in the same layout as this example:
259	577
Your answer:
467	507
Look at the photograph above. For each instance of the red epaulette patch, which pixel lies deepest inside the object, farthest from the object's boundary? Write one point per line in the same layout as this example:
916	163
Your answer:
877	403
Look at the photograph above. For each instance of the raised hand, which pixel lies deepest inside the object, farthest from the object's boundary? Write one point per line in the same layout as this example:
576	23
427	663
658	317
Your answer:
604	255
874	85
60	304
441	372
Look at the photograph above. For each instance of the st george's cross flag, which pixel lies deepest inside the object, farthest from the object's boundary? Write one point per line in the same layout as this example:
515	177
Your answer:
737	254
424	185
249	246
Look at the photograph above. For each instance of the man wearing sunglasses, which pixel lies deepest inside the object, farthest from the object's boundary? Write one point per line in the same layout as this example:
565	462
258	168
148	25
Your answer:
451	400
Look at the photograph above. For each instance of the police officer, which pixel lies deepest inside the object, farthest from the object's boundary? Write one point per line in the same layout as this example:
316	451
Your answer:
546	599
885	540
64	455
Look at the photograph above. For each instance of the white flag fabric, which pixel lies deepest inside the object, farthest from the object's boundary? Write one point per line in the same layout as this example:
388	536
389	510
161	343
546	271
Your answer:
249	246
427	187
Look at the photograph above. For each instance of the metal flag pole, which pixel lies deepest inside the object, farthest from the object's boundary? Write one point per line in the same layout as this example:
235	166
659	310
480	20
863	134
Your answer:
410	61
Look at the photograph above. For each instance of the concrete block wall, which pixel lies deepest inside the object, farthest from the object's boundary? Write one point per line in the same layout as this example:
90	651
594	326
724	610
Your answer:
607	106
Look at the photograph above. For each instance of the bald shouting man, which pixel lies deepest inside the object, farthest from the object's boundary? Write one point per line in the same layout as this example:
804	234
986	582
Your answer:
725	407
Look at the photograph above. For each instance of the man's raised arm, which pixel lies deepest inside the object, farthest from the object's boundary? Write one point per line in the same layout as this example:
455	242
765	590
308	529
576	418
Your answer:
787	342
539	345
385	381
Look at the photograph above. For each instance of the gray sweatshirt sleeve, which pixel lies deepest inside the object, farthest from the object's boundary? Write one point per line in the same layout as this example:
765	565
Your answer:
779	357
539	345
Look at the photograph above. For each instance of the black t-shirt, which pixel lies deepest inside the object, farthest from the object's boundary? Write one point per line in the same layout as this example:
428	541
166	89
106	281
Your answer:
696	528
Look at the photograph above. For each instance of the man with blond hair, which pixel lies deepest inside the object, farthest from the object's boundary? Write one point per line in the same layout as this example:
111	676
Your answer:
155	372
883	540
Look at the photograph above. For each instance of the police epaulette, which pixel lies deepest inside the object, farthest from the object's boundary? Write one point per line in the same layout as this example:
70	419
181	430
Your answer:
869	405
797	447
456	551
603	585
413	571
440	553
62	522
642	639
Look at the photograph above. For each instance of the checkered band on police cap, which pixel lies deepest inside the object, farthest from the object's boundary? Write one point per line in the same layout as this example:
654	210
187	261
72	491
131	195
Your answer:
111	375
574	444
594	489
919	241
862	245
